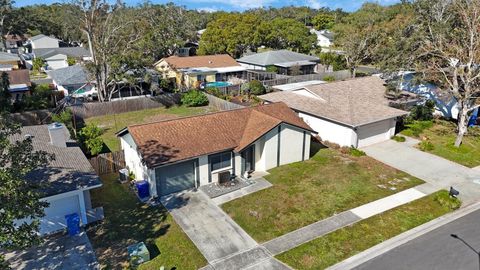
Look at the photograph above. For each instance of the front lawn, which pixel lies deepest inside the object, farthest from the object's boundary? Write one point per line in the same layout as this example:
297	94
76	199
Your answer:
441	135
127	222
346	242
306	192
114	122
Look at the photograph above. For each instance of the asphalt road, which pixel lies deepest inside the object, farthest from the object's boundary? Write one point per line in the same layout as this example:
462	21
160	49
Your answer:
436	250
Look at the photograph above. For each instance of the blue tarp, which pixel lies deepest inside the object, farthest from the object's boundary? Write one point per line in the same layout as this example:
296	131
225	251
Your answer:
473	118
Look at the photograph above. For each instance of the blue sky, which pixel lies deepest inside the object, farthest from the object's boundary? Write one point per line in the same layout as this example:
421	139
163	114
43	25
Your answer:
239	5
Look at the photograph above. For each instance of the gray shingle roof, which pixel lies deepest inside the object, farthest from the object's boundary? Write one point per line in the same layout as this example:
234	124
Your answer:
276	57
68	172
75	74
40	36
77	52
9	57
354	102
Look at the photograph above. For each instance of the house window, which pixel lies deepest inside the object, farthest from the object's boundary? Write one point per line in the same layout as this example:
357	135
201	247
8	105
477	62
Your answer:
220	161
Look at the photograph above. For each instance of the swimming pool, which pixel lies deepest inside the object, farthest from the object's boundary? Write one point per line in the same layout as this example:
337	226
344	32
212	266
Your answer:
218	84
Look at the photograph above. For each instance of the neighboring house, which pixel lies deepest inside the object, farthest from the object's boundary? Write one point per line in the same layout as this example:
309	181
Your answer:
10	59
185	153
14	42
324	37
71	79
19	83
56	58
349	113
192	71
41	41
65	183
286	62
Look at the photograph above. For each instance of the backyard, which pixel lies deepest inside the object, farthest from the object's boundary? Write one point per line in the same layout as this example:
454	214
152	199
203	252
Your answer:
346	242
114	122
127	221
438	137
306	192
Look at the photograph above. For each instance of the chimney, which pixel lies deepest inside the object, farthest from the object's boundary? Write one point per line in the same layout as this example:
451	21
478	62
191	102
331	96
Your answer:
58	136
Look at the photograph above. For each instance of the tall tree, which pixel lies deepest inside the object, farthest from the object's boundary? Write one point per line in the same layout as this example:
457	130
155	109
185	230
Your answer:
289	34
449	52
323	21
5	101
19	198
5	12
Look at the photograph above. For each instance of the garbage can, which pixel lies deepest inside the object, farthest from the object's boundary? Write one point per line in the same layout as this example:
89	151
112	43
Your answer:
124	177
73	224
142	189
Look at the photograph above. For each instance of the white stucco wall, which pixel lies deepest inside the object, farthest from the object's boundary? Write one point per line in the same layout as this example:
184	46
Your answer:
291	144
45	42
375	132
330	131
133	161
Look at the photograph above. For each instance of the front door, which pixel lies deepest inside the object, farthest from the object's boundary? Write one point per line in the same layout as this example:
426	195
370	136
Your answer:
248	157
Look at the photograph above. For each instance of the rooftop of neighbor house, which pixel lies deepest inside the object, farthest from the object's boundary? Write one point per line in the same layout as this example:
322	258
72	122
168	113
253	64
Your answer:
353	102
203	61
19	76
4	56
40	36
179	139
277	57
77	52
68	172
70	75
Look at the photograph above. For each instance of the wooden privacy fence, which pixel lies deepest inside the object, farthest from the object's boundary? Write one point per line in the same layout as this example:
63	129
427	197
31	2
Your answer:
221	104
108	162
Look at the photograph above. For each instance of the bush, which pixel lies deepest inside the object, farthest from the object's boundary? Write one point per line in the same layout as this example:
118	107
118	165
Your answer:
329	78
65	118
416	128
194	98
356	152
445	200
399	138
256	88
422	112
90	139
214	91
426	146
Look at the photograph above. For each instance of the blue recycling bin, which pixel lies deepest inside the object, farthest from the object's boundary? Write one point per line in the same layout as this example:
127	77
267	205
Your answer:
142	189
73	224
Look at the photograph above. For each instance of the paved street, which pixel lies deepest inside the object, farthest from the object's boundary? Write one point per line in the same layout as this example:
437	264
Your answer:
435	250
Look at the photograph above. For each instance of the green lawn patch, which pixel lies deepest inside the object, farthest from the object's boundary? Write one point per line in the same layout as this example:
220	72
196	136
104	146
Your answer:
344	243
440	136
114	122
127	222
306	192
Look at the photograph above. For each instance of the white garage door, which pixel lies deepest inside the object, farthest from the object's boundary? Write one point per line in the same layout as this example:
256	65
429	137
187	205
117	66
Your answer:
54	218
374	133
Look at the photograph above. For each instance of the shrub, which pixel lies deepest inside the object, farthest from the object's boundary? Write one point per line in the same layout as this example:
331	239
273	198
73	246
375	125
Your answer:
356	152
91	140
426	146
445	200
194	98
65	117
422	112
256	88
329	78
399	138
214	91
416	128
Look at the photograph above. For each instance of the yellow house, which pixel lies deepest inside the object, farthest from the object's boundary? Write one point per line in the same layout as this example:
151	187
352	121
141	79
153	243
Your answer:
10	59
192	71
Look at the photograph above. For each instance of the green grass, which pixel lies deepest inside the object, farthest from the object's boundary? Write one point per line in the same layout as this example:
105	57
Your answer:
344	243
441	135
127	222
113	123
305	192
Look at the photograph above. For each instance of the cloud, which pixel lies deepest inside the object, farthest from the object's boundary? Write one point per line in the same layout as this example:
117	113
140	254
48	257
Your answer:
208	9
238	4
316	4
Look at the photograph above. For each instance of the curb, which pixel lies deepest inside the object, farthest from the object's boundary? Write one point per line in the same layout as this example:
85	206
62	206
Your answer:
402	238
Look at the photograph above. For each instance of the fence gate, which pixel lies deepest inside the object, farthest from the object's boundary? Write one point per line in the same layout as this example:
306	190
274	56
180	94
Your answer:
108	162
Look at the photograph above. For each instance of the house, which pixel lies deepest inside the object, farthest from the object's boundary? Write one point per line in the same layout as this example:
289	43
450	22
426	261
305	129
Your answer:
184	153
71	79
192	71
324	37
14	42
19	83
10	59
42	41
56	58
349	113
65	183
286	62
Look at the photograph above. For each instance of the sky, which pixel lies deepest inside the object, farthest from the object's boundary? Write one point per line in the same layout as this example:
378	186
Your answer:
239	5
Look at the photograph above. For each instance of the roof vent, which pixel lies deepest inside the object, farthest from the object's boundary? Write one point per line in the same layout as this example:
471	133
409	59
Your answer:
58	134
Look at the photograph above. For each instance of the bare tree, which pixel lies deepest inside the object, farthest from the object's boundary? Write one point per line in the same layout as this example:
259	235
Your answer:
449	52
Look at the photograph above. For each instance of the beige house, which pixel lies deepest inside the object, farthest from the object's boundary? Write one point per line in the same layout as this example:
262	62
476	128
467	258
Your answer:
194	71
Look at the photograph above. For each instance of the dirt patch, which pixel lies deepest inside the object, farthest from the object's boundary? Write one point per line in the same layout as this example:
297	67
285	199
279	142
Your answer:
160	117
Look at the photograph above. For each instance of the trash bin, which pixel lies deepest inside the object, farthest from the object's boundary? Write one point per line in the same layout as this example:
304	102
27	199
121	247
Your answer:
123	175
73	224
138	253
142	189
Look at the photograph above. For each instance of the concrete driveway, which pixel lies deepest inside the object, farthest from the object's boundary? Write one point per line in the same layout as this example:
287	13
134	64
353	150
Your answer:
432	169
221	241
58	252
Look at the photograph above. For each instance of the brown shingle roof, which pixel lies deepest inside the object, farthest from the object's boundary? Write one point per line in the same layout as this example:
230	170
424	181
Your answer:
20	76
179	139
353	102
210	61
